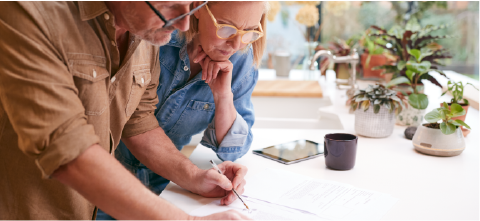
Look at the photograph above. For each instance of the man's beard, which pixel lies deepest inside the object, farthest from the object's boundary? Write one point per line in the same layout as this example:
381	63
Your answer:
156	37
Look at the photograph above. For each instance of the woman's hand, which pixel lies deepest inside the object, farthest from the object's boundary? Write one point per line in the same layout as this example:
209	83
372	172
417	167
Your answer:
217	74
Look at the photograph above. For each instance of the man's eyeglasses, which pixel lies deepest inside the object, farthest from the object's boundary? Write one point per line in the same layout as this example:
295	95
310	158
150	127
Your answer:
225	31
170	22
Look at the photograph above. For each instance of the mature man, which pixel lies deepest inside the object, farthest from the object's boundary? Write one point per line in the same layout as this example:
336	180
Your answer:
75	78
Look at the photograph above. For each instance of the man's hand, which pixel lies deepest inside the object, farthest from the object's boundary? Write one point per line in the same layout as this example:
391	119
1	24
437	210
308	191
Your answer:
212	184
227	215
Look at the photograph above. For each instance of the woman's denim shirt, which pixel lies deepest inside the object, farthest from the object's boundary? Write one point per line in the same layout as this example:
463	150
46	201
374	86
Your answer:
187	108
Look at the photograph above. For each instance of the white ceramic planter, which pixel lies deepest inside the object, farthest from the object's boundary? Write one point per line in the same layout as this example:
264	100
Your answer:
410	116
378	125
434	142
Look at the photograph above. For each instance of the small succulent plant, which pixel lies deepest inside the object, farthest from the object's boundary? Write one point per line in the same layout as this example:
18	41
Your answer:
444	114
377	95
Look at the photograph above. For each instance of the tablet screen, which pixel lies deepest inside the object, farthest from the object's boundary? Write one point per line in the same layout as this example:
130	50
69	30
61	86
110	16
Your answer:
292	151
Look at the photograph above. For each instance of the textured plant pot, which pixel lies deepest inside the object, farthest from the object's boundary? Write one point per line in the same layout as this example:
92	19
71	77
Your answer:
375	60
378	125
434	142
410	117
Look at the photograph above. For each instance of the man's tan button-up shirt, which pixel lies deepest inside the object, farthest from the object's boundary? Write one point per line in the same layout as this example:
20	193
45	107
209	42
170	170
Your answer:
63	89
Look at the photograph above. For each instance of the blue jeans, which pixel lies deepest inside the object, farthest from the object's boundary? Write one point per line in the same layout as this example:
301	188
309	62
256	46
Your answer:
150	179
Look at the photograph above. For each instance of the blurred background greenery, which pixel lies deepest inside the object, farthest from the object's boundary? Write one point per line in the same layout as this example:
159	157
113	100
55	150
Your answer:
343	20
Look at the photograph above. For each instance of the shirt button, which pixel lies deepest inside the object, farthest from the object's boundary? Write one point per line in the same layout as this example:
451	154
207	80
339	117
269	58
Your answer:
205	106
113	43
94	73
185	68
106	16
113	79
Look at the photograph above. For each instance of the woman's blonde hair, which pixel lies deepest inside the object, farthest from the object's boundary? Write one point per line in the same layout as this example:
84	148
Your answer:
257	46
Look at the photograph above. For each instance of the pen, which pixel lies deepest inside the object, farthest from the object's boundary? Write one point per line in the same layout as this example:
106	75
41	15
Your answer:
220	172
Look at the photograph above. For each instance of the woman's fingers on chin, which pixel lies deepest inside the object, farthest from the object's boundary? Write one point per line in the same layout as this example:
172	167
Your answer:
216	69
200	55
206	69
211	71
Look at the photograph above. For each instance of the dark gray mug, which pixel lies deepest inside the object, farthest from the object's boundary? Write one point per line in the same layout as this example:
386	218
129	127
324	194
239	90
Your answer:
340	151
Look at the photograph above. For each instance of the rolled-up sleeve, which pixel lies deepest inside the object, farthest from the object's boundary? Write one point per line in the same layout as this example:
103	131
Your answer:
38	94
235	137
143	119
237	141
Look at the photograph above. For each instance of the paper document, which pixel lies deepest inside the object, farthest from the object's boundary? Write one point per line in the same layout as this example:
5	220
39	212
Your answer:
282	195
259	210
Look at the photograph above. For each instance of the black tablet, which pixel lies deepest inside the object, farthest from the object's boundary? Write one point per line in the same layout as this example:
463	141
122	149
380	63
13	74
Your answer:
291	152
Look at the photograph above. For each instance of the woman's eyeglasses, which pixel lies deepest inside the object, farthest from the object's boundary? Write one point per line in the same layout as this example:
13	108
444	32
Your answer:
228	31
170	22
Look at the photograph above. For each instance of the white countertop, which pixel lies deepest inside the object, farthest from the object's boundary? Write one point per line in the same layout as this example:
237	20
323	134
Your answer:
428	187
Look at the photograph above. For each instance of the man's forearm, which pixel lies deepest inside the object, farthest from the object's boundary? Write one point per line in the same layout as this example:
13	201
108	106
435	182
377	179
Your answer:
155	149
102	180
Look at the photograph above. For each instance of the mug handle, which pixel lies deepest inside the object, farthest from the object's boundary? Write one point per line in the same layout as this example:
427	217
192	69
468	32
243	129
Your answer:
325	151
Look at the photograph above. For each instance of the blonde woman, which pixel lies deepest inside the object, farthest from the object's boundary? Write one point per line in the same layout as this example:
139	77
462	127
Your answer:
207	77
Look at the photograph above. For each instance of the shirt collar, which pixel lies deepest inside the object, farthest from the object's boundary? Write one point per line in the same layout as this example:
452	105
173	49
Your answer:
177	40
91	9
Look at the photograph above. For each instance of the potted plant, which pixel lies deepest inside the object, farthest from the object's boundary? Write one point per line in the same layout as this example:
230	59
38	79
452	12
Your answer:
339	48
417	100
374	55
441	139
457	89
400	40
375	109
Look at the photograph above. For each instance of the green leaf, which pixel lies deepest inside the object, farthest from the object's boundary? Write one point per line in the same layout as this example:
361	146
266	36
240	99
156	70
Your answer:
393	105
472	86
376	108
419	87
410	74
456	110
419	68
460	123
365	105
433	46
418	101
413	25
445	106
398	110
447	128
401	65
434	116
354	106
367	62
443	112
369	89
416	53
397	81
361	98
